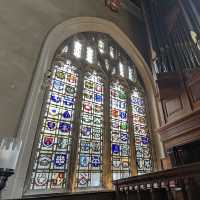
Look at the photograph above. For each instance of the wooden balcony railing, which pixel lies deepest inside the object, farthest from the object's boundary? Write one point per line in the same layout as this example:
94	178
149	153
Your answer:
181	183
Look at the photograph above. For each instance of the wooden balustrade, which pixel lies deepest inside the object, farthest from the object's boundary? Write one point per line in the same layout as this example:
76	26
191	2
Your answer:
181	183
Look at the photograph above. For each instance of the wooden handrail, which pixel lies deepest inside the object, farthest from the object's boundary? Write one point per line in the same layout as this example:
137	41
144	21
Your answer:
97	195
185	171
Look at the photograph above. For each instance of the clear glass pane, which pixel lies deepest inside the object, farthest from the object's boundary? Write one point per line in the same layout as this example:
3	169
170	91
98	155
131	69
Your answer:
116	176
112	54
90	55
132	74
101	46
95	179
114	71
77	49
107	64
121	69
65	49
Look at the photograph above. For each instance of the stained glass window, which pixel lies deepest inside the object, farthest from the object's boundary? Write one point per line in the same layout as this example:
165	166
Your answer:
51	162
120	140
89	169
141	133
98	69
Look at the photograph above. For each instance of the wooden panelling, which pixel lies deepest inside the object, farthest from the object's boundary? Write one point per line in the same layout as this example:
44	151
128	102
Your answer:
181	131
192	80
169	85
194	90
173	106
182	112
194	94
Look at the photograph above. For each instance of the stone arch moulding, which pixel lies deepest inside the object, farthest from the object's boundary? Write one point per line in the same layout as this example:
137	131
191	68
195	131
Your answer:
56	36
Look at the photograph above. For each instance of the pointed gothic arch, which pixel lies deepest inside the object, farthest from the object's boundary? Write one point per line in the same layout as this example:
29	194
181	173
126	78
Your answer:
32	109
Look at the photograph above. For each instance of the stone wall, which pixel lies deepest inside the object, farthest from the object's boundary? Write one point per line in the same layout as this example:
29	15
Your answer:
24	25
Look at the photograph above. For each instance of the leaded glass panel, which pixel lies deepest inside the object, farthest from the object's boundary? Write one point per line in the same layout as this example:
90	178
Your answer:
90	55
51	160
89	169
131	74
141	133
77	49
101	46
53	146
112	52
65	49
121	69
120	140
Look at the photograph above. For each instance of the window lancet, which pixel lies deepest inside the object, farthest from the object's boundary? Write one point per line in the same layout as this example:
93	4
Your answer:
121	69
89	168
120	139
53	149
93	83
130	74
141	133
90	55
107	65
77	49
112	52
101	46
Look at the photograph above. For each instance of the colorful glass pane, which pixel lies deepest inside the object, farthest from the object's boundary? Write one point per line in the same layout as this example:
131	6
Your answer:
51	160
141	133
119	132
89	169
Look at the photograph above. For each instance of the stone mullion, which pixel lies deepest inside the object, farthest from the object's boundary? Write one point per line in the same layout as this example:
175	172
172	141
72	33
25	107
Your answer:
75	135
133	166
148	126
107	174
